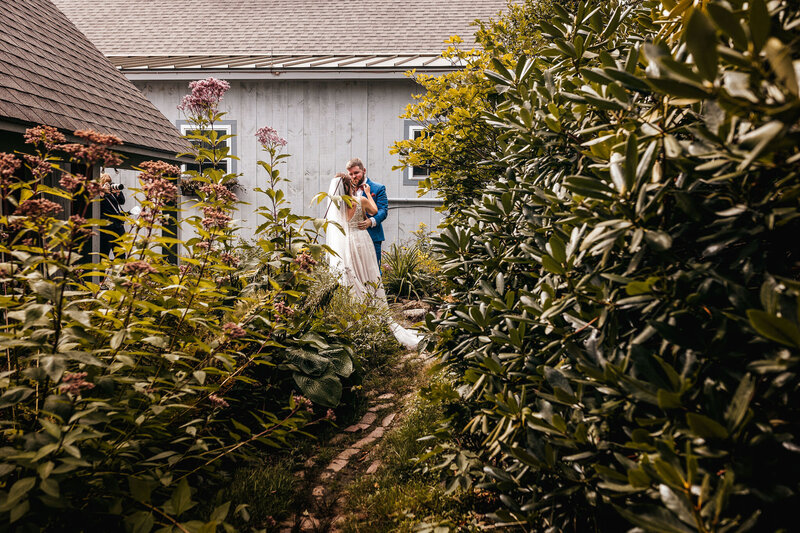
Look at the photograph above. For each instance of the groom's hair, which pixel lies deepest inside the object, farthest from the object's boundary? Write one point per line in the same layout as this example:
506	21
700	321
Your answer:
355	162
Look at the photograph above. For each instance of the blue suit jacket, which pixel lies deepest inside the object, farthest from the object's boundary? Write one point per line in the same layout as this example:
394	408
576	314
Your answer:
379	195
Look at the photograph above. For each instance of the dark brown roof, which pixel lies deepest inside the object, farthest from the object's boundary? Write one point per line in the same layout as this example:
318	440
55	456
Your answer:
276	27
51	74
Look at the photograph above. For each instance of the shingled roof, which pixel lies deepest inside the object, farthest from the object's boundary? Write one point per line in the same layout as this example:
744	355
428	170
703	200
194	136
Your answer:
276	27
51	74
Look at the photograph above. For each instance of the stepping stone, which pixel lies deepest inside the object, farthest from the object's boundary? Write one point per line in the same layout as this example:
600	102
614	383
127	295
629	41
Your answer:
415	315
374	466
367	419
356	427
318	492
347	454
387	396
388	420
380	407
309	523
377	433
301	474
363	442
336	465
310	462
325	475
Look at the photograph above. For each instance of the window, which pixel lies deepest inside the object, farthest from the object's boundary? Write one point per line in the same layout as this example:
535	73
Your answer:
418	173
415	130
225	127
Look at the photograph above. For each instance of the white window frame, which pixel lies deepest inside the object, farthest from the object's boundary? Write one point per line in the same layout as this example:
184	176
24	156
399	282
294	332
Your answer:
225	127
411	128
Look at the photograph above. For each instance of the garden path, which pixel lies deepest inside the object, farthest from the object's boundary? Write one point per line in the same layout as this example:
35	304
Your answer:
353	455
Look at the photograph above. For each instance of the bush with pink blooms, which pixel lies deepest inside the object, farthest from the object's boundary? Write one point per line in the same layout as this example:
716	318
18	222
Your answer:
129	385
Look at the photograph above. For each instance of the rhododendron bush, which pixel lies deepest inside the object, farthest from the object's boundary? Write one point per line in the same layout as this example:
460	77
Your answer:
129	383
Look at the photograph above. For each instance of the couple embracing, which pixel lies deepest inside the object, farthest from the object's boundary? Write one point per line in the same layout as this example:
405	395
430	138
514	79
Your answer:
358	244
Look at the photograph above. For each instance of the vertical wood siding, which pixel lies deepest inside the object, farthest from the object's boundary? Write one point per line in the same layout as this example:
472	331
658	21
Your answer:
326	122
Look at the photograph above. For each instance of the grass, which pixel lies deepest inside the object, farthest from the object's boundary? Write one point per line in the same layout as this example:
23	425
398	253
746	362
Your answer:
400	497
269	490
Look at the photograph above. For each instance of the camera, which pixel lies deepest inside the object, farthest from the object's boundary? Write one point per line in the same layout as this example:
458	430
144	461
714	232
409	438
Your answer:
116	187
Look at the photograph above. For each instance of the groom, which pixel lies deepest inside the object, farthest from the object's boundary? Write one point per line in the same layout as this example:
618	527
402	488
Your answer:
358	176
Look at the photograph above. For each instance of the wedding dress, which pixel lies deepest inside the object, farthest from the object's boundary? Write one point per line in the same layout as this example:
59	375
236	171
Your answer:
355	263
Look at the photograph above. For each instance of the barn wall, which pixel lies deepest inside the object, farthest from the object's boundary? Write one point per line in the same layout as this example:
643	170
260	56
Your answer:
326	122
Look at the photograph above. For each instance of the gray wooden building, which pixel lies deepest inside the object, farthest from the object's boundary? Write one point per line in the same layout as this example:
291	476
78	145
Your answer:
328	75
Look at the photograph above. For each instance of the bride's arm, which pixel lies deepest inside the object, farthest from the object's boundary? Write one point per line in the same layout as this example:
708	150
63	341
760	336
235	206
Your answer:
367	202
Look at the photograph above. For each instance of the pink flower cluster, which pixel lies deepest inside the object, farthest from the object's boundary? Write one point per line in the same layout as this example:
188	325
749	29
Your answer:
72	182
305	261
95	188
216	401
75	382
283	310
234	331
269	138
80	225
97	151
220	192
215	218
47	135
37	208
8	165
137	268
206	96
302	401
39	167
230	260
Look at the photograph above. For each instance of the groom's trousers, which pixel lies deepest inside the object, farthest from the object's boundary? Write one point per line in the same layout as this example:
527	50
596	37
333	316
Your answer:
378	253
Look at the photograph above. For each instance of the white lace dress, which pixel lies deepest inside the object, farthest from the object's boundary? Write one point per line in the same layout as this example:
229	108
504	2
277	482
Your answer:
359	267
360	264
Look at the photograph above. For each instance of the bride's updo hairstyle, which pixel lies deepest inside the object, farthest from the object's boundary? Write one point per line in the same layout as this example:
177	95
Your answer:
346	184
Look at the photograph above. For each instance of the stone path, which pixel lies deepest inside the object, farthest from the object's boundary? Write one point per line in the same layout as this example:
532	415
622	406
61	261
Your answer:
356	458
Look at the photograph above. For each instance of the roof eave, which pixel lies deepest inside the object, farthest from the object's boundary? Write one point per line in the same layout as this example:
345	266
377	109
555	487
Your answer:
317	73
133	154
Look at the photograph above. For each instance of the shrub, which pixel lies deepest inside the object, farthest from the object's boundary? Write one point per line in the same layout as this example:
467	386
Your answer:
626	319
121	400
412	270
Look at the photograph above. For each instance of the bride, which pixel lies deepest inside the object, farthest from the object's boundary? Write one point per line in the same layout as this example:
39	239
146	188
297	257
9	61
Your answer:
355	260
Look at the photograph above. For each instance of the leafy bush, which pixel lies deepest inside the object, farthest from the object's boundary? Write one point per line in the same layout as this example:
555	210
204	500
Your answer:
128	383
626	316
412	270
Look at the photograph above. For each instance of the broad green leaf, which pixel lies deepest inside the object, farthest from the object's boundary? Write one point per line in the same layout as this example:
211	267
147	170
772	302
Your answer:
729	23
551	265
701	39
759	23
653	518
737	409
140	522
14	396
704	427
181	498
774	328
558	249
325	390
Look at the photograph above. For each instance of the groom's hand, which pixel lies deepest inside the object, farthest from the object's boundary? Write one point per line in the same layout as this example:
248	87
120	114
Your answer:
364	224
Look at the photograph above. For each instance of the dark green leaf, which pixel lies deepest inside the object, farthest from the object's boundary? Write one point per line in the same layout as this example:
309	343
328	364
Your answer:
774	328
759	24
701	39
702	426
